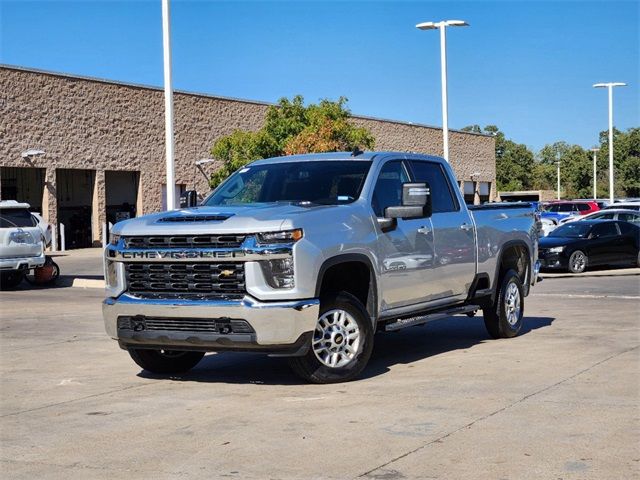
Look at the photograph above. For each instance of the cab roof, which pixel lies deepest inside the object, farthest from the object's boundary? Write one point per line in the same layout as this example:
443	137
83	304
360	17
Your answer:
345	156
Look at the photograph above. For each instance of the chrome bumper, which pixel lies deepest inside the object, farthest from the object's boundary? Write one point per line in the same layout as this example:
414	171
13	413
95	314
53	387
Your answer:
22	263
274	323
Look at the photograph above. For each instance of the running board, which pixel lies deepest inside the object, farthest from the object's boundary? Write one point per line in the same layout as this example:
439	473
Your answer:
422	319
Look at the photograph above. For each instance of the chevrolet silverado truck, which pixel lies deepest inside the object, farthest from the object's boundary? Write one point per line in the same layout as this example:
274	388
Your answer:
21	243
308	257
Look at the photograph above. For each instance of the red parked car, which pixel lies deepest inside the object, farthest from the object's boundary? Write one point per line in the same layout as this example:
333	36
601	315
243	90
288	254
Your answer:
563	208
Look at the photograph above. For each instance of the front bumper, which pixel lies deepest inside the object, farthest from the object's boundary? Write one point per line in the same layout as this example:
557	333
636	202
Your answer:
278	327
552	261
22	263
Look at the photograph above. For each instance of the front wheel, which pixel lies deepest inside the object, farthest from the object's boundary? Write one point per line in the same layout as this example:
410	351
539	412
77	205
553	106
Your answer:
341	345
503	318
578	262
165	361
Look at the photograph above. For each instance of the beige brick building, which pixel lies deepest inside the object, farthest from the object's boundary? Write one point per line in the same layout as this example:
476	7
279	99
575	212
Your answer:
103	145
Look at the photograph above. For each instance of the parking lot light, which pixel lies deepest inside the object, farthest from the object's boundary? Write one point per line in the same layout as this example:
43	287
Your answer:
443	68
610	86
595	192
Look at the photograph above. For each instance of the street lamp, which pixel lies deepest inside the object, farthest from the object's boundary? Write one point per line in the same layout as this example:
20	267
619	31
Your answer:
443	70
168	106
558	165
610	86
204	161
32	152
595	191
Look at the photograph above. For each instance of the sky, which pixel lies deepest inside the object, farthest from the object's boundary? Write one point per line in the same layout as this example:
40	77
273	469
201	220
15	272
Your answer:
526	66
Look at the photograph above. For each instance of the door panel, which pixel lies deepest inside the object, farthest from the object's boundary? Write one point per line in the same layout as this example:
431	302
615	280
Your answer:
453	237
406	252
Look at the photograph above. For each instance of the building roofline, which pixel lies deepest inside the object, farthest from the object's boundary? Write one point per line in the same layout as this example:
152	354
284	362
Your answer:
206	95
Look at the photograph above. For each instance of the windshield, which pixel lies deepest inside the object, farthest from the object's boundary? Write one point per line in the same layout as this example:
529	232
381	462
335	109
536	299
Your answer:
320	182
571	230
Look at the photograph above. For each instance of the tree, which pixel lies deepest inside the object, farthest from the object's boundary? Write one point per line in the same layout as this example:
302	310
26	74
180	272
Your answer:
289	128
514	161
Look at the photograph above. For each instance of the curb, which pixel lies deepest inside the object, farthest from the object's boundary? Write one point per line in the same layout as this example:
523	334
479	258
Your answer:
87	283
605	273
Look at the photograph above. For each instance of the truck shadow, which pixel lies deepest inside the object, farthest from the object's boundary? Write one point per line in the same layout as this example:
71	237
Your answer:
403	347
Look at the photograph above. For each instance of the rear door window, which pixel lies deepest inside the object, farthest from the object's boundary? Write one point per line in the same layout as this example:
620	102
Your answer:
583	207
16	217
442	197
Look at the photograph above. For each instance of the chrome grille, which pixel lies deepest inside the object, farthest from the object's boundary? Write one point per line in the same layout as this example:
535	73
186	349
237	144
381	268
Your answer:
223	279
185	241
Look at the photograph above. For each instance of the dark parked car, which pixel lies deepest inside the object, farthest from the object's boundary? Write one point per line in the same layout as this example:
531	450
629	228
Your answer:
578	245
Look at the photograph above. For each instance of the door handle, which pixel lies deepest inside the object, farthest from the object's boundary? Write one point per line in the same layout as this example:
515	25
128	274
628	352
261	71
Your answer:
466	227
424	230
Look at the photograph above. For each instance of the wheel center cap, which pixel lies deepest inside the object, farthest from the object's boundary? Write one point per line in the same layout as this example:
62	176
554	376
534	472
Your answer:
338	339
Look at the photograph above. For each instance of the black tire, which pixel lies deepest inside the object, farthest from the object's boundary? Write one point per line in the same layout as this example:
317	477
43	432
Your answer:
578	262
165	361
11	279
310	368
496	316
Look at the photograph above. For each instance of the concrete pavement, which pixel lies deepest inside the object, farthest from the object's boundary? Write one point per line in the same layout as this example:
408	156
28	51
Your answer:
440	401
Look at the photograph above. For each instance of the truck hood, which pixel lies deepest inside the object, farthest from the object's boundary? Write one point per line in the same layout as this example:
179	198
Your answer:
223	219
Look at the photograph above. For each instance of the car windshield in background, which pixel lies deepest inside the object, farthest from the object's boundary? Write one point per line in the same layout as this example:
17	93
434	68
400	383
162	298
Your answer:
16	217
571	230
325	183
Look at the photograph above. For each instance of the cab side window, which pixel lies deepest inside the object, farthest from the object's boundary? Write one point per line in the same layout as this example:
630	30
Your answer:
442	197
388	189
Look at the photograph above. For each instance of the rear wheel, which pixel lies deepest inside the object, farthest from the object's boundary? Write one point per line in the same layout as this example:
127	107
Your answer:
578	262
11	279
503	318
341	345
165	361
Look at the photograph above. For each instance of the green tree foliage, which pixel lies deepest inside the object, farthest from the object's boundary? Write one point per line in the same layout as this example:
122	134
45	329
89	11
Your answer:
514	161
289	128
518	169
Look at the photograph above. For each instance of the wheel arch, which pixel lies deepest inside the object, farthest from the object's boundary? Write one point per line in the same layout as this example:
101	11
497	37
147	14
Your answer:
509	257
358	263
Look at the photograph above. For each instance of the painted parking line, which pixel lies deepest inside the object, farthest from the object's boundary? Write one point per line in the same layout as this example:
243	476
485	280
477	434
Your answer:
579	295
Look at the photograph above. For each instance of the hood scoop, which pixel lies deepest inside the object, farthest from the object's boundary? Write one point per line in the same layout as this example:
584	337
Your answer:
214	217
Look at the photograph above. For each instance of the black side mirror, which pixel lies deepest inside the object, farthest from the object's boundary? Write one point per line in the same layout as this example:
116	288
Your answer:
189	199
416	202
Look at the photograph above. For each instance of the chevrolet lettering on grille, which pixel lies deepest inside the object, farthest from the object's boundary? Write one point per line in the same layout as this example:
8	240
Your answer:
178	254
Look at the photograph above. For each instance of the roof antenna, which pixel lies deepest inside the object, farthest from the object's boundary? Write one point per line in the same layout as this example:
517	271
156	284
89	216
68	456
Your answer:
356	151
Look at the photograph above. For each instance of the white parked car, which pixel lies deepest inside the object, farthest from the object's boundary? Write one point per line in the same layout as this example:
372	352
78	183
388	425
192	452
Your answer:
548	226
21	243
633	205
45	228
623	214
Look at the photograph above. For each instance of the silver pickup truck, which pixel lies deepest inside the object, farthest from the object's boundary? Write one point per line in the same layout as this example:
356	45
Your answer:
308	256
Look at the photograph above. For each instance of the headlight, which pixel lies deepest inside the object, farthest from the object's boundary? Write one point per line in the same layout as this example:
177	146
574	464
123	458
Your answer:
279	273
114	238
556	250
20	236
287	236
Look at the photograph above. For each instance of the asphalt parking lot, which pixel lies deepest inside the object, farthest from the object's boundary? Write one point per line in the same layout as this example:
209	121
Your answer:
561	401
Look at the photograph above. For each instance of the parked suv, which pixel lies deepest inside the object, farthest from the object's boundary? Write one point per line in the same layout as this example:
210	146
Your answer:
562	209
21	245
308	256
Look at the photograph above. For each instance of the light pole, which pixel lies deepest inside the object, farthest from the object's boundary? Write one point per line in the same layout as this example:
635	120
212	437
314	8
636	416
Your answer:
168	105
595	190
558	165
610	86
443	70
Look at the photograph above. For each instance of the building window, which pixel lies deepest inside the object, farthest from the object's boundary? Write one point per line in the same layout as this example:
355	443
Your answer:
469	192
485	190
